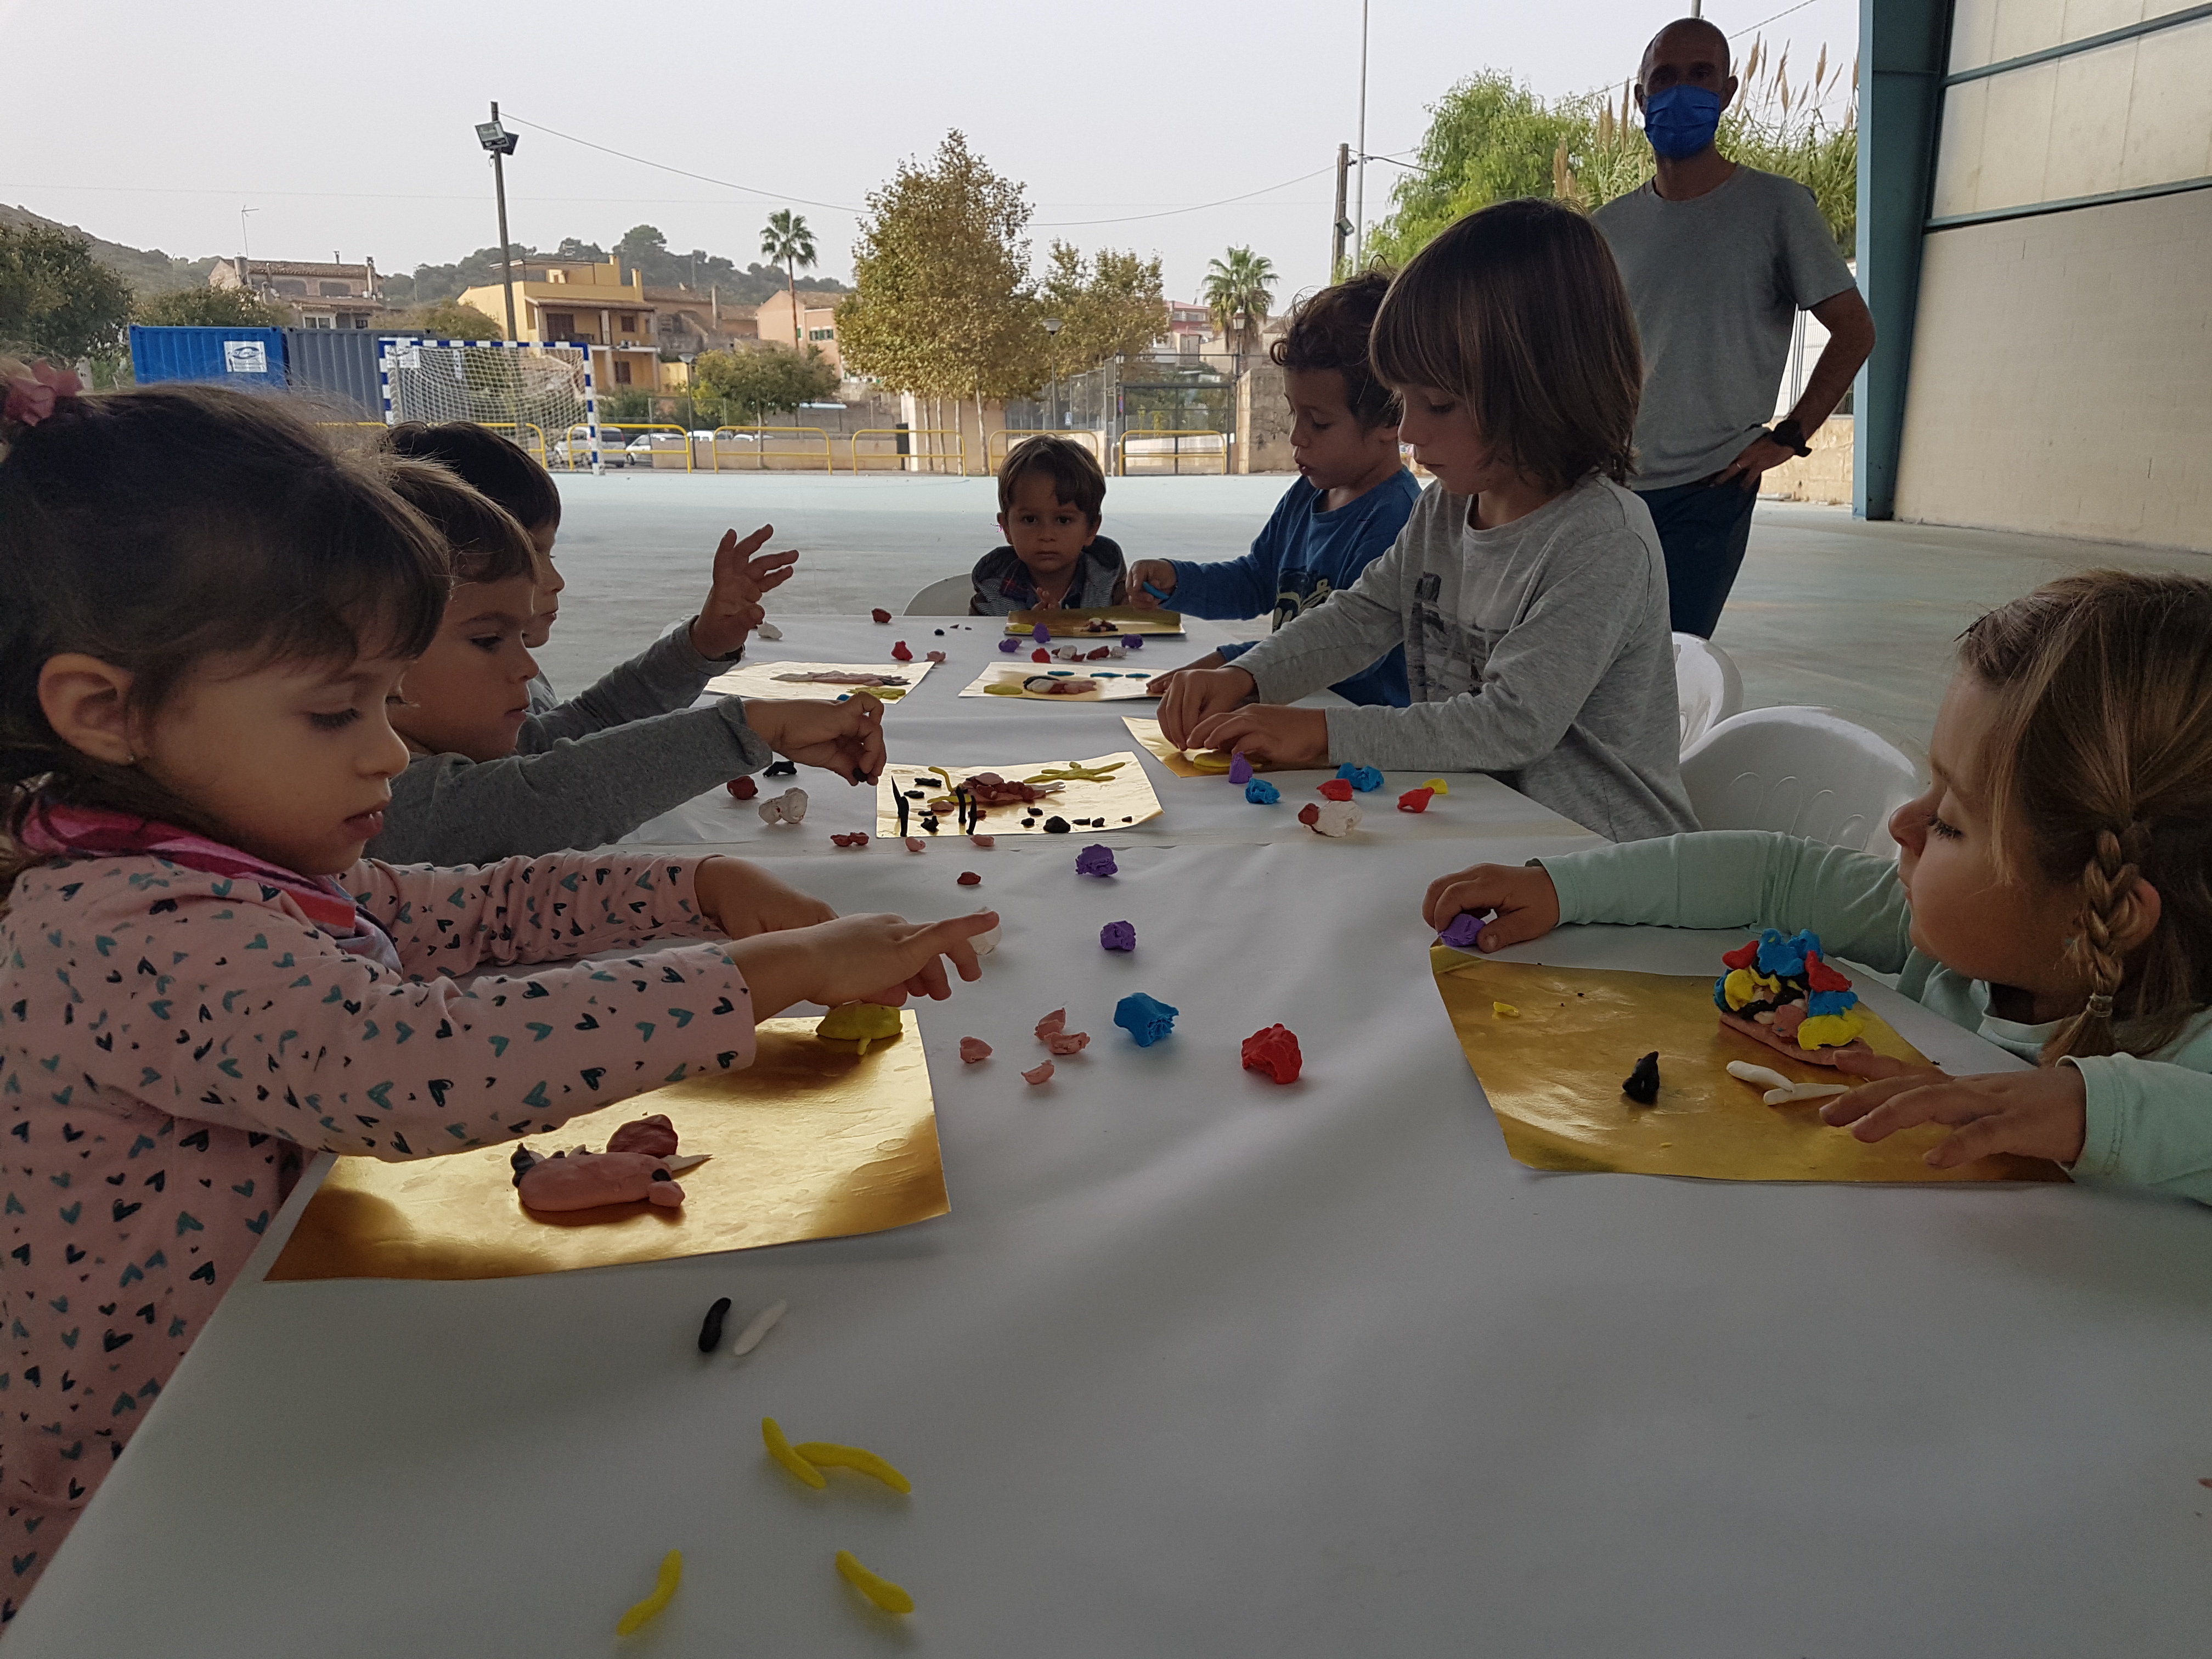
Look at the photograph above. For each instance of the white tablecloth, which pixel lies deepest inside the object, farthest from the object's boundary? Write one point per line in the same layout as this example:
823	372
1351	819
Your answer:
1198	1366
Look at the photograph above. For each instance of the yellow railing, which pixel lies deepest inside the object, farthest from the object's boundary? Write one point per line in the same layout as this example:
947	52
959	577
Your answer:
935	456
760	451
640	427
1176	454
1014	436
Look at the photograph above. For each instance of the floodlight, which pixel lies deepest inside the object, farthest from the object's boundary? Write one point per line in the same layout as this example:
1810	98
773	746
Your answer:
1053	325
496	138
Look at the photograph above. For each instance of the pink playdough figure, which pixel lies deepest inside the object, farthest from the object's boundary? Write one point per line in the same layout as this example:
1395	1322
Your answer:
584	1181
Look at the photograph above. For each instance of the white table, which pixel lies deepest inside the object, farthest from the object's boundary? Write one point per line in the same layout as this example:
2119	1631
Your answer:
1201	1366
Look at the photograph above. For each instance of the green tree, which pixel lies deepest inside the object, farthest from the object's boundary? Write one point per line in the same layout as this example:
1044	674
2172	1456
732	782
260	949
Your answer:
1490	139
1112	303
749	385
55	300
447	320
786	240
1239	289
942	303
211	307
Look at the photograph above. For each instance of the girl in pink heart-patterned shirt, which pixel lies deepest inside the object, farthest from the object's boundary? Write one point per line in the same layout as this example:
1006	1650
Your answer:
202	614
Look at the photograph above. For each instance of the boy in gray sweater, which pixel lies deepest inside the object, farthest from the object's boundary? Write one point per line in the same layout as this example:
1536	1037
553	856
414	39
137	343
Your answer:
468	798
1528	587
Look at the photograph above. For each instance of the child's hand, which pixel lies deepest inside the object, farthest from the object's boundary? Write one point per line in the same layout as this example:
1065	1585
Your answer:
743	899
1200	693
1158	573
2038	1114
1526	904
1268	732
1158	685
844	738
858	959
732	609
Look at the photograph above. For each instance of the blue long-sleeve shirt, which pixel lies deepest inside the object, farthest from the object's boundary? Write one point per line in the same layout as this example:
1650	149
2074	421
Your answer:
1303	556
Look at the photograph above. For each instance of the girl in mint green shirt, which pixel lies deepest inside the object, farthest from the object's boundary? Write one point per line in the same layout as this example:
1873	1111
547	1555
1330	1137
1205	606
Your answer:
2052	892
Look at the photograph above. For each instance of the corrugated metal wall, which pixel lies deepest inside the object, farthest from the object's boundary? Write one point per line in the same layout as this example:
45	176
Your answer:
337	367
250	358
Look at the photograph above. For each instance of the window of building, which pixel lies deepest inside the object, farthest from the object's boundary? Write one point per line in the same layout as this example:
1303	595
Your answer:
629	322
317	319
560	325
289	285
359	320
335	290
821	333
622	371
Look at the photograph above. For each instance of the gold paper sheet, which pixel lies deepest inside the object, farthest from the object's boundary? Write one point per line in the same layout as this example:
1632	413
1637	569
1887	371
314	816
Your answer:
1148	733
1126	794
758	679
1117	682
1553	1074
1126	618
811	1141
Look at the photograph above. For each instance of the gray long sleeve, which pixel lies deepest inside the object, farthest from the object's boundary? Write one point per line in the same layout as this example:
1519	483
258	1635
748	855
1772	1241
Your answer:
1538	651
666	676
580	793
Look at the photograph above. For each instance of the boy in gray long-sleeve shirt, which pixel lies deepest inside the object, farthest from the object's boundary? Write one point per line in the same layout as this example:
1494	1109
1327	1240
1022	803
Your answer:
1528	587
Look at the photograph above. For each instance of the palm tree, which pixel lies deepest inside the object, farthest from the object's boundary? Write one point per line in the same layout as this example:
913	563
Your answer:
1239	289
787	242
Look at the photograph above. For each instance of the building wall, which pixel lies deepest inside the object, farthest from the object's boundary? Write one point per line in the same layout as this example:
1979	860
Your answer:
2060	369
1263	421
2062	375
1823	475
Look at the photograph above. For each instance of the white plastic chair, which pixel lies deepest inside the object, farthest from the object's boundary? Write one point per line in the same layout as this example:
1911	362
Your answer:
945	597
1706	684
1804	771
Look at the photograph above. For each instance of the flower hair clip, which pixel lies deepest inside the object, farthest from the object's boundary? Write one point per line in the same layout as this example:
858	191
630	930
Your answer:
32	388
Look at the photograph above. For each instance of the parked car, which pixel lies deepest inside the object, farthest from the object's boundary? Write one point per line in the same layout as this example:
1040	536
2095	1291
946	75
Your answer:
575	450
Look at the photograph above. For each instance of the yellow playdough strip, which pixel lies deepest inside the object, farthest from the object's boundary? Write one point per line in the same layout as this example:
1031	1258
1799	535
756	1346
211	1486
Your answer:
780	1449
671	1574
828	1454
884	1593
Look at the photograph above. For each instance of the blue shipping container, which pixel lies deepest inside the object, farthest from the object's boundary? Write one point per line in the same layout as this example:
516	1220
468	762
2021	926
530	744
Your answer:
246	357
337	368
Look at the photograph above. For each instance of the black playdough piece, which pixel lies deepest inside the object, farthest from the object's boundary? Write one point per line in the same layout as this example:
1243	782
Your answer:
710	1332
1642	1084
1055	826
782	768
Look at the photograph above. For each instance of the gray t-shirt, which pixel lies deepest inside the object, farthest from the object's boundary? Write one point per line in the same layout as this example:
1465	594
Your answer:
1538	651
1716	283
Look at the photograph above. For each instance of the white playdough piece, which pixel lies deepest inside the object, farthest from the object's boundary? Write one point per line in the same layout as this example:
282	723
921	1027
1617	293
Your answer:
762	1323
1758	1076
769	630
789	807
986	943
1795	1091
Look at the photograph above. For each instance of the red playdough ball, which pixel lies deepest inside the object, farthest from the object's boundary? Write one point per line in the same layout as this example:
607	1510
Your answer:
1337	789
1274	1051
1416	801
1310	814
880	614
744	789
899	653
1040	655
970	878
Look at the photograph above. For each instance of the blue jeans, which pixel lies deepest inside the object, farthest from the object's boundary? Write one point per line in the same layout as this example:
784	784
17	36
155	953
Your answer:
1703	529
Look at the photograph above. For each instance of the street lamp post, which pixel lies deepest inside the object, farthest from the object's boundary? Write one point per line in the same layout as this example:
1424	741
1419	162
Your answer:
499	142
1051	328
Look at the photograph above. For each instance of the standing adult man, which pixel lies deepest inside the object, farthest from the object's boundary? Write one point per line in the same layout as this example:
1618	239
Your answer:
1719	259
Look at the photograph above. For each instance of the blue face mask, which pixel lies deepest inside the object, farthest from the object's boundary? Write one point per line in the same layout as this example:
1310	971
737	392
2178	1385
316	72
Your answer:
1681	120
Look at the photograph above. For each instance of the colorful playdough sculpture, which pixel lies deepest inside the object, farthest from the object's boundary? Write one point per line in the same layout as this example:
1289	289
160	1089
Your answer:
1779	991
580	1180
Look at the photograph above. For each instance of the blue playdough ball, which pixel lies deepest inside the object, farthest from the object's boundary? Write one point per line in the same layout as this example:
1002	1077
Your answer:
1362	778
1260	793
1145	1018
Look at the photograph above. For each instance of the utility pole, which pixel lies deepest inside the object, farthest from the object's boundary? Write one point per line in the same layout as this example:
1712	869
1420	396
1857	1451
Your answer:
501	142
1359	214
1340	227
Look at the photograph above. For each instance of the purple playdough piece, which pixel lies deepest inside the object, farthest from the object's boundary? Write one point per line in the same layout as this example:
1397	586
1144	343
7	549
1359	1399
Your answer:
1132	641
1461	934
1040	634
1010	644
1118	936
1240	769
1095	861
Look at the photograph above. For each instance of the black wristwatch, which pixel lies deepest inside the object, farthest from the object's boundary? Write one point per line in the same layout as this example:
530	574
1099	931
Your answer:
1790	435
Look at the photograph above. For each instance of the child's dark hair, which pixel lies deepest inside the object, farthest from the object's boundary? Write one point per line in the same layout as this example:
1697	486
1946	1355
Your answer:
1331	329
155	529
498	467
1077	479
2098	773
484	541
1519	312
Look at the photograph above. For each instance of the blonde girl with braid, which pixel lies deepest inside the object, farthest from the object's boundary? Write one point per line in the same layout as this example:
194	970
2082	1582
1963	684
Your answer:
2052	892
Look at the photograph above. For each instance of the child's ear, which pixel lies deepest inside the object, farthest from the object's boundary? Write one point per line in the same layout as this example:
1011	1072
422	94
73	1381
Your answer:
88	702
2144	907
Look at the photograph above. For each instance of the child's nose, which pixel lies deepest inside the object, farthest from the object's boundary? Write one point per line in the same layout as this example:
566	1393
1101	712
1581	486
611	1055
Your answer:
1908	826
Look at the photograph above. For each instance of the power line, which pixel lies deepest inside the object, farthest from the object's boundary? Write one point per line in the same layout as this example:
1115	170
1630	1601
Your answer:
1195	207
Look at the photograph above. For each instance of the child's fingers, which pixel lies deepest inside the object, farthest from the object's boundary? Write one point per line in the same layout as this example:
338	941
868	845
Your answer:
1992	1133
1234	728
1462	889
1871	1097
955	938
750	545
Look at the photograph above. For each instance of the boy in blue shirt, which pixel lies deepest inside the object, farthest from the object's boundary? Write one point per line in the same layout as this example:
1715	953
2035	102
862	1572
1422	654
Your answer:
1351	498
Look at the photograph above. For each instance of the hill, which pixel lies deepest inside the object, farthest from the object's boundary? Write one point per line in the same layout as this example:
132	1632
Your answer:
149	271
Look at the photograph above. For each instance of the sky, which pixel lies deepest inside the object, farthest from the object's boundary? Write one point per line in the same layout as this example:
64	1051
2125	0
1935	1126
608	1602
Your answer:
348	130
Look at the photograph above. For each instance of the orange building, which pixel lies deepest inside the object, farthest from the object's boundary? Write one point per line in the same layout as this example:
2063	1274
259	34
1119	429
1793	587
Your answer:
583	302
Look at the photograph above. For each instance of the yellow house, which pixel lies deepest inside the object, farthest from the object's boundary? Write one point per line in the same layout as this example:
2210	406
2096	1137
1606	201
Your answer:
817	323
583	302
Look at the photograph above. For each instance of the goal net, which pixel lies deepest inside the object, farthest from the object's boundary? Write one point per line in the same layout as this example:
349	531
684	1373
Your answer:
541	396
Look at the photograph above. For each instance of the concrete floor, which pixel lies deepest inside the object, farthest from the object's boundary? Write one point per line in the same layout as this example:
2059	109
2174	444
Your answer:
1859	617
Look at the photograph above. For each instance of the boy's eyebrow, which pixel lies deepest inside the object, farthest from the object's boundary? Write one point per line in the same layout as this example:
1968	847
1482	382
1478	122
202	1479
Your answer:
494	617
